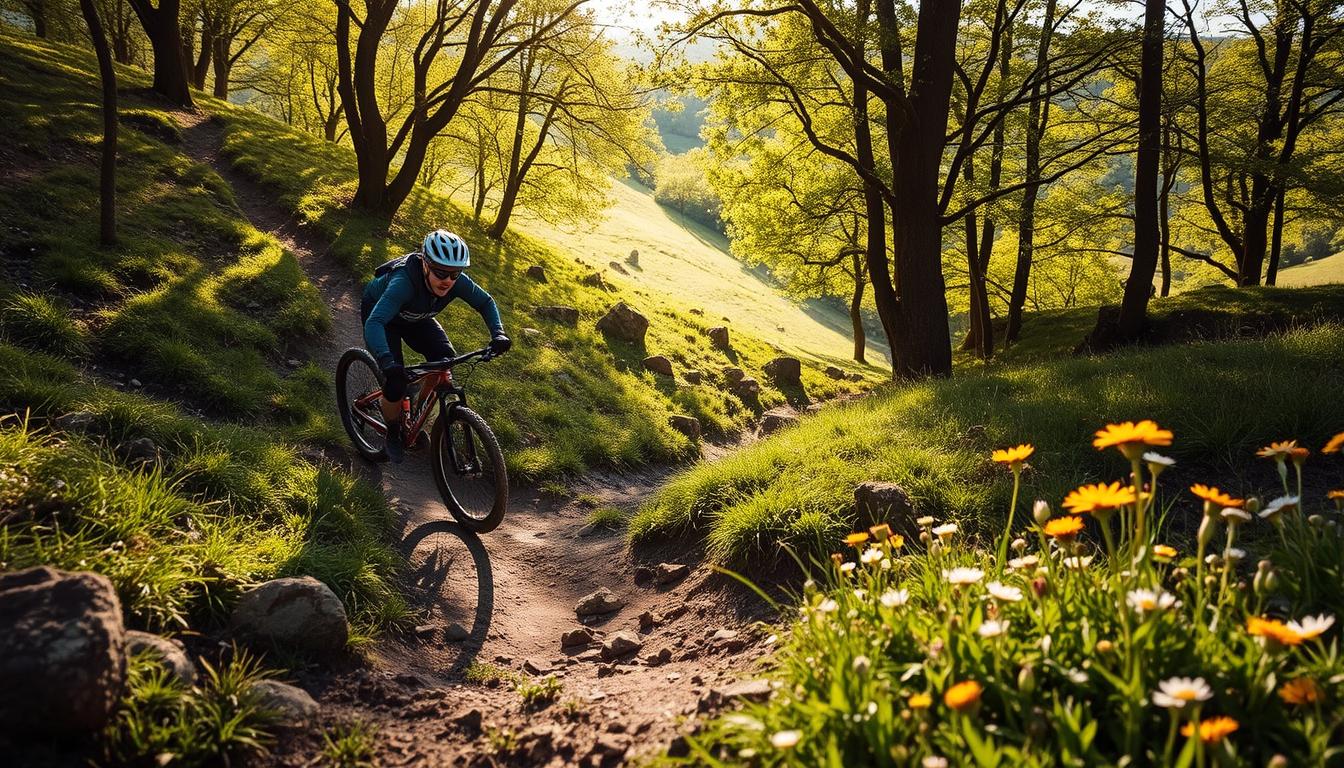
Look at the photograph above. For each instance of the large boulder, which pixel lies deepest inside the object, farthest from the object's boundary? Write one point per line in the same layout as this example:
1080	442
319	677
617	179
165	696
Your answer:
624	323
563	315
658	364
881	502
62	652
748	389
298	613
719	335
733	376
835	372
686	425
294	707
537	273
171	652
785	370
776	419
600	602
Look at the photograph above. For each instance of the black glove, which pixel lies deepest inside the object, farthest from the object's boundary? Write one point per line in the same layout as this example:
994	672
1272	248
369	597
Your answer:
500	344
396	381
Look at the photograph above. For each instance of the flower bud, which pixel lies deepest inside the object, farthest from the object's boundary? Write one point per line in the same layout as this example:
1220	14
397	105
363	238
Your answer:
1316	520
1253	505
1105	646
1019	545
1262	571
1272	581
924	537
1040	586
1026	679
1207	528
1041	511
861	664
1277	761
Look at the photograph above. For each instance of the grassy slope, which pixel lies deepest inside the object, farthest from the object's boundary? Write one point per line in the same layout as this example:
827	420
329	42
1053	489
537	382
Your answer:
230	502
1320	272
572	401
1222	399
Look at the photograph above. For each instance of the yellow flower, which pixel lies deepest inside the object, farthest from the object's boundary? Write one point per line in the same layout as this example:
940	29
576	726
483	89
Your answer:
1014	457
1272	629
920	701
880	531
1214	496
1162	550
963	695
856	539
1099	497
896	540
1301	691
1334	444
1128	433
1277	450
1211	731
1064	528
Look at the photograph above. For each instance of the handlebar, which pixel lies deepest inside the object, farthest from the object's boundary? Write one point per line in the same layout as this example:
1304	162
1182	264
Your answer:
441	365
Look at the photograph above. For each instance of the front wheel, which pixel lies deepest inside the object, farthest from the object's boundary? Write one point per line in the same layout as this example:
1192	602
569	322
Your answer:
359	387
469	469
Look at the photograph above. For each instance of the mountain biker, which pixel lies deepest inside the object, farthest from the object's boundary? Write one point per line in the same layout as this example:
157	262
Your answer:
399	304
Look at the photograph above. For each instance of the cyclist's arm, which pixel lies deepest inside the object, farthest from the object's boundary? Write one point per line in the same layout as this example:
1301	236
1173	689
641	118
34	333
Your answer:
399	291
481	301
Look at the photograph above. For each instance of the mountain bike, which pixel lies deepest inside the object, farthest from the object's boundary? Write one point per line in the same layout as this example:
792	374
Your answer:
465	457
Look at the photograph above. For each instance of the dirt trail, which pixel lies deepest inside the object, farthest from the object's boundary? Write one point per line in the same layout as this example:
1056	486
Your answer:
514	593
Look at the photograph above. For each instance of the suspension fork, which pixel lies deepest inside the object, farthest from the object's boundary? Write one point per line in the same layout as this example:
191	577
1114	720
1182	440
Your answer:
467	460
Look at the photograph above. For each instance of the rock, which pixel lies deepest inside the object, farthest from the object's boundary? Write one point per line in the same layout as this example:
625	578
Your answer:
696	311
879	502
295	707
600	602
135	383
679	747
75	421
855	377
171	652
594	280
723	635
719	335
456	633
537	272
733	375
686	425
692	376
608	750
648	620
139	450
667	573
748	389
834	372
531	335
660	657
293	362
298	613
633	258
619	644
658	364
559	314
747	690
62	652
618	267
574	638
469	721
785	370
592	654
534	667
776	419
624	323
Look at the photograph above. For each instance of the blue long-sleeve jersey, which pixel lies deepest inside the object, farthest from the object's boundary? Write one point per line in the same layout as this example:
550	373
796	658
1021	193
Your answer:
398	291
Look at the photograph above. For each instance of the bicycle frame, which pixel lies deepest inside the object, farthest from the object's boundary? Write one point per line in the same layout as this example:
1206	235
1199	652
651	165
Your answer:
435	384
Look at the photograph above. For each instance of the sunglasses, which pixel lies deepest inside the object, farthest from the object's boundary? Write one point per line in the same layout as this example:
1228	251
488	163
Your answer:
444	274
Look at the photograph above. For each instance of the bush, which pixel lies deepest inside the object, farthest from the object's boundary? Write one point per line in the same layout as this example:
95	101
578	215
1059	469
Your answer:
1088	641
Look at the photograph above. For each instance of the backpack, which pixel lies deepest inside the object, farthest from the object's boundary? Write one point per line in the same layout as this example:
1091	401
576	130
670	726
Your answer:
391	264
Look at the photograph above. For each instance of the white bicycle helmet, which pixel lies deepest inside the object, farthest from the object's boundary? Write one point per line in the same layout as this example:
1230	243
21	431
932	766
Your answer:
445	249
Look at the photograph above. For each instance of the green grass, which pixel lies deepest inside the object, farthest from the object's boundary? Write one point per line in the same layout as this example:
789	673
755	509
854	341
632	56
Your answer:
607	517
1319	272
350	745
575	399
1223	400
540	693
43	324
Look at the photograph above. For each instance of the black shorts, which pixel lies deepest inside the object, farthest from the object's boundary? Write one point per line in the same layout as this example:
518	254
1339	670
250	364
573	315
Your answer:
424	336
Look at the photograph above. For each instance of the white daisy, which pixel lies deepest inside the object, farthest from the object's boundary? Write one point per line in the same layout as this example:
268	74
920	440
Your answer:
895	598
924	522
1235	515
847	567
1019	563
1078	562
1176	692
1234	555
991	628
785	739
1153	457
1311	627
945	530
1278	506
828	606
958	577
1148	600
871	555
1003	592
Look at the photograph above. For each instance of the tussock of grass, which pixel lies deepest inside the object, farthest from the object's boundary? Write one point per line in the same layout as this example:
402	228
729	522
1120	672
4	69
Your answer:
43	324
607	517
934	438
350	745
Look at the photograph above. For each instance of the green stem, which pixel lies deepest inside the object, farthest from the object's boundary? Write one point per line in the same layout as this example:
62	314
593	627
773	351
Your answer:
1008	529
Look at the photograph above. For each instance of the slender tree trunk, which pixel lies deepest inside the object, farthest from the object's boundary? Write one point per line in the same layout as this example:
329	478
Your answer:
875	242
37	11
223	68
856	311
1255	237
1139	287
1038	115
165	37
1276	241
107	172
203	56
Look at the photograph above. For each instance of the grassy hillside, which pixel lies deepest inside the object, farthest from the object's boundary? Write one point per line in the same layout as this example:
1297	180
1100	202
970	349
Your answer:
173	336
1224	399
1329	270
574	399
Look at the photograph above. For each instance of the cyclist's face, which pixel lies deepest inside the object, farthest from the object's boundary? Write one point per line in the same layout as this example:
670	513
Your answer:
441	280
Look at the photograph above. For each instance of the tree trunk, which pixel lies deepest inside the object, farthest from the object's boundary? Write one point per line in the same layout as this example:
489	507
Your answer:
875	242
1134	307
37	11
207	50
855	311
1255	237
165	37
1038	115
107	172
1276	241
223	68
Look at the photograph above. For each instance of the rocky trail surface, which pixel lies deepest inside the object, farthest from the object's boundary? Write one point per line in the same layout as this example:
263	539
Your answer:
502	668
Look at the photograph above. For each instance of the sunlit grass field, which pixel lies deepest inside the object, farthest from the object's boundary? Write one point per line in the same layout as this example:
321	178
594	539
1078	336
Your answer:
1319	272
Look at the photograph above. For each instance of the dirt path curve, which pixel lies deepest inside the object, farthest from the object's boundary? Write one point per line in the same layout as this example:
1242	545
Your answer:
512	593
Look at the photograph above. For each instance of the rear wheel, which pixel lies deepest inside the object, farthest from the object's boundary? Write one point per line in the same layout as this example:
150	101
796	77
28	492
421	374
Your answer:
358	376
469	469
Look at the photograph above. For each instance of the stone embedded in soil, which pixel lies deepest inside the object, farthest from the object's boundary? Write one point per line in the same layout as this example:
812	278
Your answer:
296	708
535	667
723	635
171	652
576	637
668	573
660	657
425	630
455	633
648	620
748	690
620	644
600	602
469	721
298	613
592	654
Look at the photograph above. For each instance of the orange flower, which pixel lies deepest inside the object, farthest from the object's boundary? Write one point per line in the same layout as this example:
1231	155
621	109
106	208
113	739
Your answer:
1014	457
1334	444
1099	497
896	540
963	695
856	539
1272	629
1299	455
1126	433
1214	496
1278	450
1162	550
1211	731
1335	495
920	701
1301	691
880	531
1064	527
